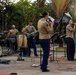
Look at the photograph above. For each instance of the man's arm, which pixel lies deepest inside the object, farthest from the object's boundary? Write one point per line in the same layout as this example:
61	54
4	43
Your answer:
49	28
72	29
24	30
35	31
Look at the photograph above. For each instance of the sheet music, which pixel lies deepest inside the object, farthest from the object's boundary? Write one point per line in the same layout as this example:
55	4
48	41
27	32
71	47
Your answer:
51	18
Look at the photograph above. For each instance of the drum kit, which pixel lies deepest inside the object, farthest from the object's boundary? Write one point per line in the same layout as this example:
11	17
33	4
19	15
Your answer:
2	42
7	44
22	44
22	40
6	50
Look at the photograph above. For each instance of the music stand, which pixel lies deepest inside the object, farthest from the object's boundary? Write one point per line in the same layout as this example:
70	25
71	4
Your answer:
63	39
52	38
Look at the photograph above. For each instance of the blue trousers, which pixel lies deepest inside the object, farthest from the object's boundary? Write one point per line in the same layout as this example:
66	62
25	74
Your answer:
31	44
70	48
45	44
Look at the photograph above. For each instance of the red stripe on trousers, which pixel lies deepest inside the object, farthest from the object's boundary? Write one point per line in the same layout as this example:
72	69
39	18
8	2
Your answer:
48	49
68	48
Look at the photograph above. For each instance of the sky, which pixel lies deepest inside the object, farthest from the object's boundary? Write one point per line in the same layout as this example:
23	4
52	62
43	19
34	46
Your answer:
18	0
29	0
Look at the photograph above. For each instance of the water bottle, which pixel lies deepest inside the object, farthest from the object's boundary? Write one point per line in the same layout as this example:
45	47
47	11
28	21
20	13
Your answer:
22	54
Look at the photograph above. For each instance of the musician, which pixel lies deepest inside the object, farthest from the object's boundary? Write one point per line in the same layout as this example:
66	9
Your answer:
70	41
29	30
12	34
45	29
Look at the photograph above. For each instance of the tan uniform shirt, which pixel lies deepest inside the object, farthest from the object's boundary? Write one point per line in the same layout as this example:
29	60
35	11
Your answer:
69	32
43	28
12	33
29	29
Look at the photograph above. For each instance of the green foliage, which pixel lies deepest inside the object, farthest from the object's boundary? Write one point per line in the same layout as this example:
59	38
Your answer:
70	9
23	11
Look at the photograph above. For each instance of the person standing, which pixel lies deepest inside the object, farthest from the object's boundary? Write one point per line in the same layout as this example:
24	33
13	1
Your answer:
70	41
13	32
45	29
29	31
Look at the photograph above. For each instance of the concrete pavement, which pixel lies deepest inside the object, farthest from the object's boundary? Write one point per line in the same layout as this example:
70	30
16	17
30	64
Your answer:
58	67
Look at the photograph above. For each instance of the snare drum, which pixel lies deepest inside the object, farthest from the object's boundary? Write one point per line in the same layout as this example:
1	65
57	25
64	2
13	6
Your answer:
22	41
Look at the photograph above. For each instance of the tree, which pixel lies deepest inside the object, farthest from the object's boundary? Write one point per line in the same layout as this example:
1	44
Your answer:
23	11
41	3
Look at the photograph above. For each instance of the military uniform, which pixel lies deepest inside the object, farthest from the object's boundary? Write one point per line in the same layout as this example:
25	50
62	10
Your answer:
44	39
12	33
29	29
70	43
12	39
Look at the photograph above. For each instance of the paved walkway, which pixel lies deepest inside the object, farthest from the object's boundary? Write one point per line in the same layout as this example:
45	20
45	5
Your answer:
58	67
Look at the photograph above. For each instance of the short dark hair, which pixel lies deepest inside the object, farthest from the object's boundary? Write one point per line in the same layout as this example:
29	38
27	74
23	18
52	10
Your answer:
69	20
44	13
30	21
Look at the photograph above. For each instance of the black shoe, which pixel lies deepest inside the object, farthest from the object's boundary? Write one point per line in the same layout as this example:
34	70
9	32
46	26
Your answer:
46	70
36	55
40	67
71	59
28	55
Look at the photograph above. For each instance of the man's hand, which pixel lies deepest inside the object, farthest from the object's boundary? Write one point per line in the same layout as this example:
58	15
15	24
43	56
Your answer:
74	25
52	23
